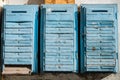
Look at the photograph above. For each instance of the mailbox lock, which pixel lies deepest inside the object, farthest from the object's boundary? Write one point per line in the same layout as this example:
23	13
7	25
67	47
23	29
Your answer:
58	60
59	41
58	35
18	23
58	54
58	48
59	67
64	42
18	60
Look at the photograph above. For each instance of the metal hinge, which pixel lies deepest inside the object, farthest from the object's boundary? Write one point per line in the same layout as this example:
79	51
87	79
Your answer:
2	39
76	55
3	42
116	55
2	35
84	34
116	15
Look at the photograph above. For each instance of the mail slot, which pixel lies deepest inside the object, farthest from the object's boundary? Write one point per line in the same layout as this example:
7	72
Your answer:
60	24
100	13
18	25
59	38
18	31
18	61
58	67
20	36
59	17
19	13
57	14
98	38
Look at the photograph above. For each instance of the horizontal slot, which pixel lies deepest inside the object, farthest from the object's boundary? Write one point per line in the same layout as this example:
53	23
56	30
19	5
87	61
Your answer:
59	10
19	11
18	21
99	11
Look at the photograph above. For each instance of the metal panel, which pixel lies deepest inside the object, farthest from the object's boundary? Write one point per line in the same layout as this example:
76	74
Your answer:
20	35
99	41
59	38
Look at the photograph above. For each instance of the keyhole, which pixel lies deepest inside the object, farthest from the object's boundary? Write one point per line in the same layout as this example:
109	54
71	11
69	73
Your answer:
59	67
58	60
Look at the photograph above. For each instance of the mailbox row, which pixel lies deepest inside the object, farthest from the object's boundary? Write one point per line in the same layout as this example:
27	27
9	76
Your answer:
64	46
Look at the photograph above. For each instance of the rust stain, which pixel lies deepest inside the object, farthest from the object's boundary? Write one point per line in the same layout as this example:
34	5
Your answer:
93	48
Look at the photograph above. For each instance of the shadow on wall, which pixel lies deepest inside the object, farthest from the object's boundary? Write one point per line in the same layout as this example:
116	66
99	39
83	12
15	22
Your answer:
35	2
65	76
94	76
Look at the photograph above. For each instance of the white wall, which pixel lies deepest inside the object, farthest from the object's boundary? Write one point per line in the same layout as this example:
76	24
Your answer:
96	1
15	2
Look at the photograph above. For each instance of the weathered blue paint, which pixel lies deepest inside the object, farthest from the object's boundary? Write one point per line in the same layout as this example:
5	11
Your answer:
21	35
59	38
99	38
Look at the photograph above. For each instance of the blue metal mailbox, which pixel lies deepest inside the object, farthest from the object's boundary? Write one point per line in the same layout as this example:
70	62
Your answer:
99	38
20	35
59	38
